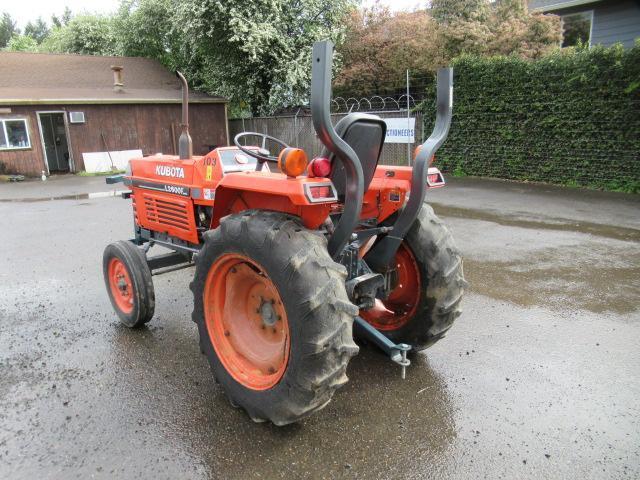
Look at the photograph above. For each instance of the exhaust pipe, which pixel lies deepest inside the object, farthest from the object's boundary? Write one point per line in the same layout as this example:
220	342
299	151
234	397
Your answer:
118	84
185	145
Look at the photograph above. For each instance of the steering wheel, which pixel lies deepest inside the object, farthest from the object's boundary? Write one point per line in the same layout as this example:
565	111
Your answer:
262	154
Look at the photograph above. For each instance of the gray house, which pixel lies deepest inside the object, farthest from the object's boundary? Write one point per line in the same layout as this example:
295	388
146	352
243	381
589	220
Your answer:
603	22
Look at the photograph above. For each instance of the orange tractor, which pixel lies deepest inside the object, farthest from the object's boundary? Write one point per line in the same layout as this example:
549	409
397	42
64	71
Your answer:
293	259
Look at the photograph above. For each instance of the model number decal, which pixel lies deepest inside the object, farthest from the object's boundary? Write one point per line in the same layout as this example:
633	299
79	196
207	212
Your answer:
177	190
163	187
169	171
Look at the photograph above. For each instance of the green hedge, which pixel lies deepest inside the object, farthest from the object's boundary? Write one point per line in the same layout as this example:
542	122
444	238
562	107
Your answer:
571	118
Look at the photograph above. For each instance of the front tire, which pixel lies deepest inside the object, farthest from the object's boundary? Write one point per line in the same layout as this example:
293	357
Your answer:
129	283
426	301
273	315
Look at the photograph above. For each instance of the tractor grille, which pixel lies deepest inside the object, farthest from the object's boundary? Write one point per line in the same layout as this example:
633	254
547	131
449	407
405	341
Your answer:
172	214
135	210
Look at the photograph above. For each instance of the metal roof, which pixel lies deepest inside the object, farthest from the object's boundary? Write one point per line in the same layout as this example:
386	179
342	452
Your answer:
44	78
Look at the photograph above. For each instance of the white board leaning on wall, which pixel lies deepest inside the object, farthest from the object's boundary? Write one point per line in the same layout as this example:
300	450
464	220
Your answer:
95	162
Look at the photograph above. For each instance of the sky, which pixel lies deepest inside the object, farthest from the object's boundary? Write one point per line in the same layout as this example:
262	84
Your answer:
26	10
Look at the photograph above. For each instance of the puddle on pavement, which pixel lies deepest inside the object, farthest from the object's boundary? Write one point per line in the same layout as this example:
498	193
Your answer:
373	425
79	196
548	223
594	277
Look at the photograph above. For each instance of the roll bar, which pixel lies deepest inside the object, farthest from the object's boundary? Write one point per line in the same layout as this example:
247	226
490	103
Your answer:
381	256
322	60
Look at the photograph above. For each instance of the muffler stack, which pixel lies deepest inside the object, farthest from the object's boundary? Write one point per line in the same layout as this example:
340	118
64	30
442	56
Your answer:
185	145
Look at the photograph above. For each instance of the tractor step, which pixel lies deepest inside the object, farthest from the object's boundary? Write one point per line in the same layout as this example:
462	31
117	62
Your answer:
397	352
112	179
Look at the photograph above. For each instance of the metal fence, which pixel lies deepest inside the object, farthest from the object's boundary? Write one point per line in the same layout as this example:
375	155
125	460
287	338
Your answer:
298	131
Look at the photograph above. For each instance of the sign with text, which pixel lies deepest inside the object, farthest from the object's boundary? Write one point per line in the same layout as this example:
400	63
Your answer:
400	130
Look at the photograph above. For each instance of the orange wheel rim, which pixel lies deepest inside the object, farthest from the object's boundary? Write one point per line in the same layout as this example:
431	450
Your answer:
246	321
121	285
394	312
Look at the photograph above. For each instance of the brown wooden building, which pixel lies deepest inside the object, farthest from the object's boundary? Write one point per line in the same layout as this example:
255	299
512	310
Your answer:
54	108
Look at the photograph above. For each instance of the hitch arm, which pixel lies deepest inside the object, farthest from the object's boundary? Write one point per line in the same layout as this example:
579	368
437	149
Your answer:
397	352
382	254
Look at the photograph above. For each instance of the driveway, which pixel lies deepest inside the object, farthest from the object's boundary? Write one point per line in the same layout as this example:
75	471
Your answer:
539	378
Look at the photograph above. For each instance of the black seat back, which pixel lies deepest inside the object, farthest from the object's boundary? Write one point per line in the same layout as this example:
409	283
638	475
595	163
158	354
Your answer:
365	135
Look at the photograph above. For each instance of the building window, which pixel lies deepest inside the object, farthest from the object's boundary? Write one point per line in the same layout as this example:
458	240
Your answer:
576	28
14	134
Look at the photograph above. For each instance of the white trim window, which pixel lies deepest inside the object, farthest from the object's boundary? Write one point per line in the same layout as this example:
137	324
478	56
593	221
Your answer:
577	28
14	134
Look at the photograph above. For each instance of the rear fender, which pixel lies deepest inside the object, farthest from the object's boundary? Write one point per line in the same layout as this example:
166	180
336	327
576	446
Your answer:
276	192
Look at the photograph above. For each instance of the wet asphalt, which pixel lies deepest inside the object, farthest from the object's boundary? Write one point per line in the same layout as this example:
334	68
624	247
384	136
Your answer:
539	378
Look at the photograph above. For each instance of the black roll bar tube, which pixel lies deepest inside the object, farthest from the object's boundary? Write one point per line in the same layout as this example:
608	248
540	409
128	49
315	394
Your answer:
381	256
322	61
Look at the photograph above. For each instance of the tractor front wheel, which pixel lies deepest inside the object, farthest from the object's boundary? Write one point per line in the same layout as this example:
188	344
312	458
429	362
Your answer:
273	315
429	287
129	283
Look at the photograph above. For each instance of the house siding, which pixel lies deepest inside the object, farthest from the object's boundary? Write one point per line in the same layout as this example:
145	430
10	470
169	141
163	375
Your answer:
614	21
126	127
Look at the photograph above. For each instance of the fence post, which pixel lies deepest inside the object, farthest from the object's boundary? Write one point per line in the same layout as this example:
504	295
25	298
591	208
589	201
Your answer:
408	122
295	126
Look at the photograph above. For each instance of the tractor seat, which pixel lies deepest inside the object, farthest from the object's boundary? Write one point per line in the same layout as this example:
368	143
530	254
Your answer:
365	135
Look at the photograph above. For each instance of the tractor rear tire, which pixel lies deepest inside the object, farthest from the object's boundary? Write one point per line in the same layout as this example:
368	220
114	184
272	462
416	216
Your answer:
129	283
429	249
263	272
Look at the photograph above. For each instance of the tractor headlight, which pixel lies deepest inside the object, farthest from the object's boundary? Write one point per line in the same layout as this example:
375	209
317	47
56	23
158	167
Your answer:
292	161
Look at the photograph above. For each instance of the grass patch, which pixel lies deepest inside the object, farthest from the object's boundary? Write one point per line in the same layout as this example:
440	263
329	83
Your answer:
99	174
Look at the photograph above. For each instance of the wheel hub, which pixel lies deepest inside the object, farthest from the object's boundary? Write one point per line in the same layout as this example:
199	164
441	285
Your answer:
246	321
268	314
397	309
121	285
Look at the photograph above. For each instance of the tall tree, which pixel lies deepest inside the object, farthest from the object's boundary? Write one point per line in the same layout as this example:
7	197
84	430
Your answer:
38	30
516	31
501	28
62	20
84	34
146	28
448	11
380	46
8	28
256	51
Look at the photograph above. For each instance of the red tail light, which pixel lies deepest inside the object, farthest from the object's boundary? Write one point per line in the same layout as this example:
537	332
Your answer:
320	192
321	167
434	178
